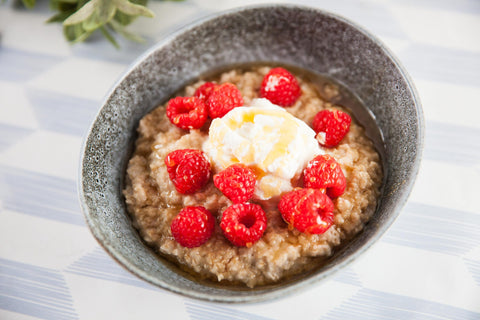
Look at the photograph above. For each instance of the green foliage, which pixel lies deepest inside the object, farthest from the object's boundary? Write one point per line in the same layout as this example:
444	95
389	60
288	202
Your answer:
29	3
81	18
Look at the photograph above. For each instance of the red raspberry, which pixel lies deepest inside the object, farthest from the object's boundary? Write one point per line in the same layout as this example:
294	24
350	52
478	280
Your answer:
323	172
237	182
193	226
280	87
243	224
189	169
187	112
204	91
308	210
331	126
222	99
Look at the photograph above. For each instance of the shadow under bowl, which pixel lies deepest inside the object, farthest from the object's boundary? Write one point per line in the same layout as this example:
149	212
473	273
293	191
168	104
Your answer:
306	38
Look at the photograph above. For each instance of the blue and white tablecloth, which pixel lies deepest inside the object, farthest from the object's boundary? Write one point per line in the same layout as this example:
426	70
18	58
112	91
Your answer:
427	265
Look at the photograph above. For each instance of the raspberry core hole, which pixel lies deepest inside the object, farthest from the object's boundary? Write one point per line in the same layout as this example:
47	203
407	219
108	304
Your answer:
248	220
184	108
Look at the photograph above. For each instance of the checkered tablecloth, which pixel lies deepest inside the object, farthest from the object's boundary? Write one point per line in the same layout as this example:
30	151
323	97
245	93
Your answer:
427	265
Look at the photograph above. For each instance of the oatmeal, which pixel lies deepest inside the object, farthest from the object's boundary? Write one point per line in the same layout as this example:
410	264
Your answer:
153	200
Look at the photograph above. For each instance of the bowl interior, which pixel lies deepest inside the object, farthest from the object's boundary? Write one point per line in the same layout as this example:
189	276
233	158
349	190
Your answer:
306	38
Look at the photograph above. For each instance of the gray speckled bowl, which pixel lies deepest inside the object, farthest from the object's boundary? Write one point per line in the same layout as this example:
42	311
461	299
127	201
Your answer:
307	38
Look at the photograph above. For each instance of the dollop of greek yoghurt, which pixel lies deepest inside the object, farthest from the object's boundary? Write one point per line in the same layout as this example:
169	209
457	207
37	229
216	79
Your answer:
266	138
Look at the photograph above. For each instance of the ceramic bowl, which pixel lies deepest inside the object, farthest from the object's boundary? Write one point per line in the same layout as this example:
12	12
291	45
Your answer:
307	38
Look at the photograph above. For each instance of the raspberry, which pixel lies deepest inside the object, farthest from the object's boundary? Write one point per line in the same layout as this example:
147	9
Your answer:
187	112
193	226
280	87
188	169
203	92
308	210
237	182
331	126
222	99
243	224
323	172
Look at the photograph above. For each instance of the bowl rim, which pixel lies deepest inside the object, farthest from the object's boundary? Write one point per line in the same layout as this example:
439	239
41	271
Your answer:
293	287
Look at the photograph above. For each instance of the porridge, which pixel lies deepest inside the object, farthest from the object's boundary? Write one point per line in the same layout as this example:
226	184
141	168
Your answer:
279	179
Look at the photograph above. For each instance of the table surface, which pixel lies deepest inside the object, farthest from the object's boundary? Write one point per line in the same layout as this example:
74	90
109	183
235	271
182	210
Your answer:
426	266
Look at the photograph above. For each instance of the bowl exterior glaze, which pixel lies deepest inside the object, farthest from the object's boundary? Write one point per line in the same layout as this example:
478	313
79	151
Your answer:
303	37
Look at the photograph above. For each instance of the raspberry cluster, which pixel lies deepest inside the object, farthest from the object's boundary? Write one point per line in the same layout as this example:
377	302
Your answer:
331	126
323	172
280	87
309	209
209	100
222	99
187	112
193	226
189	169
237	182
243	224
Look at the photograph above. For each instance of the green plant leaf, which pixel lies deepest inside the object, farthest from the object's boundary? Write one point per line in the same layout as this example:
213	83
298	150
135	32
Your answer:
104	12
97	13
80	3
117	27
125	19
56	4
84	13
109	37
133	9
75	33
61	16
62	6
29	3
81	18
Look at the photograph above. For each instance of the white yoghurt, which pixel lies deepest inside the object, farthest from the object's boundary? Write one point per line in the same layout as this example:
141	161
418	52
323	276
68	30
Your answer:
266	138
